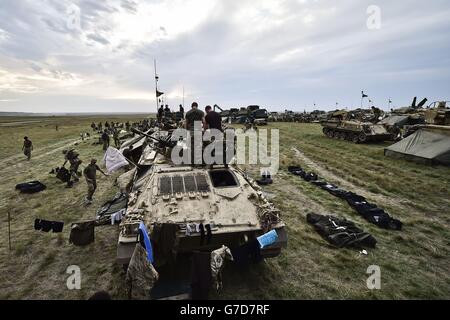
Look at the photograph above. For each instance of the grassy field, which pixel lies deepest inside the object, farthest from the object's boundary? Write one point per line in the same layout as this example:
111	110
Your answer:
414	262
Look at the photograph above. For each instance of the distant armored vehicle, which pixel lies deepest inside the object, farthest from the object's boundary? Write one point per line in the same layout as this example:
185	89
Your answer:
353	130
438	114
414	108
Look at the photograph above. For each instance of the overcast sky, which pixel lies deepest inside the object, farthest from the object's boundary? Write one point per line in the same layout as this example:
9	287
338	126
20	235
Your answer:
280	54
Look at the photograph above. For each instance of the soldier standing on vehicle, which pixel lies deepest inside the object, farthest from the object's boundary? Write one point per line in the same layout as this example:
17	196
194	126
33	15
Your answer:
105	139
71	156
212	119
90	173
192	116
167	111
27	147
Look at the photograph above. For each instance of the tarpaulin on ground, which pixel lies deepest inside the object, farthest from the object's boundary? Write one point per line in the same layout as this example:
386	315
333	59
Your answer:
114	159
427	145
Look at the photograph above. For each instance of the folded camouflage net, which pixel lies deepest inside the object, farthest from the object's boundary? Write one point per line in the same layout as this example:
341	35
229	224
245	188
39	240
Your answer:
141	275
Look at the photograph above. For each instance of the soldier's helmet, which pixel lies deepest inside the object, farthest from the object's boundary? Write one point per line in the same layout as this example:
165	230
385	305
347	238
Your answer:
64	151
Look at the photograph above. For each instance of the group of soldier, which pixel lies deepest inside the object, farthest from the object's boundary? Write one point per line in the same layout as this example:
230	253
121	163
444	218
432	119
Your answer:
89	173
164	113
72	157
209	120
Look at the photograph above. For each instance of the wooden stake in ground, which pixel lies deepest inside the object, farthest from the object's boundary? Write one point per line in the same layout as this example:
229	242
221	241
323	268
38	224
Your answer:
9	229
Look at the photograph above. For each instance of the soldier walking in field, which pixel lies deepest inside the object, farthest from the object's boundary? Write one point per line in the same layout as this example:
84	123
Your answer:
90	173
27	147
105	139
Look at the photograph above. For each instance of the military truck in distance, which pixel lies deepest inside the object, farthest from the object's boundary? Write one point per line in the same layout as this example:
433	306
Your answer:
260	116
352	130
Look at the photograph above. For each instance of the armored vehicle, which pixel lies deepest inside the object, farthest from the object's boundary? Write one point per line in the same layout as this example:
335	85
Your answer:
253	114
438	114
337	126
221	198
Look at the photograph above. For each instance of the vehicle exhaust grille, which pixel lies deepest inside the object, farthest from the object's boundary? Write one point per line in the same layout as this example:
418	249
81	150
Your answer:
183	184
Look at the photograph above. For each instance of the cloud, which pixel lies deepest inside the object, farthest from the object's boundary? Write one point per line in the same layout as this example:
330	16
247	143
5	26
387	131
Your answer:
276	53
131	6
98	38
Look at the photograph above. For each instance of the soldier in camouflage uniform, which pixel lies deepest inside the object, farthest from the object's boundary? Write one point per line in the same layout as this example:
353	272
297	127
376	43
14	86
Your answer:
116	137
105	140
90	173
192	116
27	147
71	156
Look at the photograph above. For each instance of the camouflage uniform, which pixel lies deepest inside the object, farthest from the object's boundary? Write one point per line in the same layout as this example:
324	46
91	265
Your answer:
90	173
218	258
105	139
192	116
27	147
116	138
72	157
141	275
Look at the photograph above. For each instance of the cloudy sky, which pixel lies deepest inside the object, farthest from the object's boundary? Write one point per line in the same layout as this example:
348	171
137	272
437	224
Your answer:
97	56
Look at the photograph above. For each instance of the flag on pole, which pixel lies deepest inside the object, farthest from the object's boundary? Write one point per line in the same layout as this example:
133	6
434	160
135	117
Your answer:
159	93
364	95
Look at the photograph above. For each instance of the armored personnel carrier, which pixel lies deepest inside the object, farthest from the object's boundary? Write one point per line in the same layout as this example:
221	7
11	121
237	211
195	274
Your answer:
337	126
221	198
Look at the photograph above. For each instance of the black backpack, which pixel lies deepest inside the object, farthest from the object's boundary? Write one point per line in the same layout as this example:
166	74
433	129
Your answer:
63	174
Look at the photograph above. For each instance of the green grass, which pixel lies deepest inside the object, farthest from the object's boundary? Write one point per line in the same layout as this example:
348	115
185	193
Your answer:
414	262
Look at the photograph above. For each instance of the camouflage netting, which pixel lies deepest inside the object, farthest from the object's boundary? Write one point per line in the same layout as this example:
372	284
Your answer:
268	216
141	275
218	258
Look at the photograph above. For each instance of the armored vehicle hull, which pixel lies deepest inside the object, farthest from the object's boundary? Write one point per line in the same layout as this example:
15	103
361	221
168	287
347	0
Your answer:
355	131
222	198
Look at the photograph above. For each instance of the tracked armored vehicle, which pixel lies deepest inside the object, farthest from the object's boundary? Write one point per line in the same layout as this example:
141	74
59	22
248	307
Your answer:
353	130
438	114
222	197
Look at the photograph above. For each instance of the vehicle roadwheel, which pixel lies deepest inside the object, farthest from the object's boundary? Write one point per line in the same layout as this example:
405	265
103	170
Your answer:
325	131
343	136
362	137
355	138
